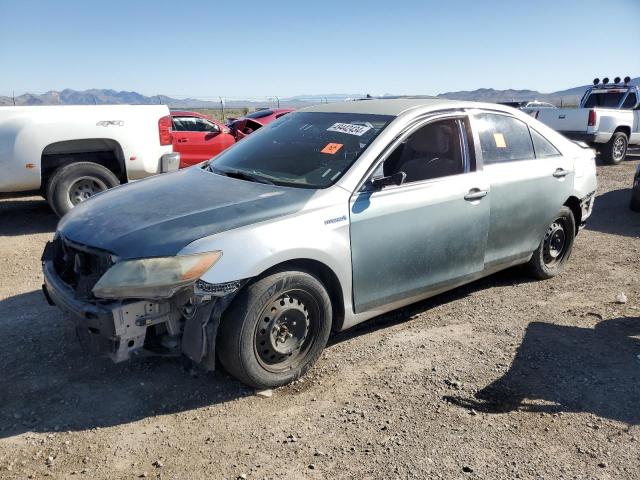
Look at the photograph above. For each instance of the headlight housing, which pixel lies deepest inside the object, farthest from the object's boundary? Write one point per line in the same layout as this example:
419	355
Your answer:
157	277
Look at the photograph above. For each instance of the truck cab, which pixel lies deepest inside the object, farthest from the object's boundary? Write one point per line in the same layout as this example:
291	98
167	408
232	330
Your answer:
608	118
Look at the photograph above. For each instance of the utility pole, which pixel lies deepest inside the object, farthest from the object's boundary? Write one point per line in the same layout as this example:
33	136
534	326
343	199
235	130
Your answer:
222	107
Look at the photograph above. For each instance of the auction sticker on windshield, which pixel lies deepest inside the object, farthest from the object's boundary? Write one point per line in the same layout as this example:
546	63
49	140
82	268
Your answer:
349	129
331	148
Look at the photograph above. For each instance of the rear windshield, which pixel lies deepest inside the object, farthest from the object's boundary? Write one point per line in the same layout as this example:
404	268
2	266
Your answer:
259	114
611	100
303	149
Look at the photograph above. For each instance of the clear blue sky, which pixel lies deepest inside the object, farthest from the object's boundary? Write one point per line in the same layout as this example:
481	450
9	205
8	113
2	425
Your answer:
260	48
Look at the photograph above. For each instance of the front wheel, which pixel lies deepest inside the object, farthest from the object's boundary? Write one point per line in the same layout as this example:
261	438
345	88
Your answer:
551	256
615	149
275	329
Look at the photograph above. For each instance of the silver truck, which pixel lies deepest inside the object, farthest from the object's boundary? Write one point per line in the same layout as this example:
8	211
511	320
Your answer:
608	118
325	218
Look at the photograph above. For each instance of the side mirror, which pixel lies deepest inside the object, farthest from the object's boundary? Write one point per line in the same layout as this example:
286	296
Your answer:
378	183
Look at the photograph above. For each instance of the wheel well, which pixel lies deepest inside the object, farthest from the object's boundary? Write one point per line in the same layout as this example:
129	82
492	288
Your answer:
625	130
103	151
328	278
574	204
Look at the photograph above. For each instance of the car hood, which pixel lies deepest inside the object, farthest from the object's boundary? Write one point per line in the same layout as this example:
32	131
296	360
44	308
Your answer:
160	215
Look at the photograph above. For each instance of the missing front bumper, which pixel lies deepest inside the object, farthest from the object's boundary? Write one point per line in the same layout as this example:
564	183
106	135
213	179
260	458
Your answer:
116	329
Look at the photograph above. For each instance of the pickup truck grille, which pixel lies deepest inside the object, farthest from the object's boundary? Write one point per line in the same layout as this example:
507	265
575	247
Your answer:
79	267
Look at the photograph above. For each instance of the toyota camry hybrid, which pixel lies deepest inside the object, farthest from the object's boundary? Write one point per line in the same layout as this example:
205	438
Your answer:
321	220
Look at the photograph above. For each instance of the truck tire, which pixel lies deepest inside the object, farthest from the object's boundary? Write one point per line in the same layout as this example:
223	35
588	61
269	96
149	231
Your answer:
275	329
634	204
76	182
614	151
551	256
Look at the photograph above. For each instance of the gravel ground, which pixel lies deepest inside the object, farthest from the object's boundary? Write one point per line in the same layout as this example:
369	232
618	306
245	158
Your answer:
503	378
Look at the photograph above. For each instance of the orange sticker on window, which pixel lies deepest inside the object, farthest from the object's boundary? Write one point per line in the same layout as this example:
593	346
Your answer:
331	148
499	139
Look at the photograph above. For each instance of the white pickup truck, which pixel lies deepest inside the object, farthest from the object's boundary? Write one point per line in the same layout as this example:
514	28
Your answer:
69	153
608	119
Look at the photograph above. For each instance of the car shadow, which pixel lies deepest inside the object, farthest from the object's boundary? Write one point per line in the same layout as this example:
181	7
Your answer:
26	217
572	369
611	214
509	277
48	384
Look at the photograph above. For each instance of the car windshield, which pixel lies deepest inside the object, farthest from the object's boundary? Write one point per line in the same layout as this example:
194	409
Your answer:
302	149
607	99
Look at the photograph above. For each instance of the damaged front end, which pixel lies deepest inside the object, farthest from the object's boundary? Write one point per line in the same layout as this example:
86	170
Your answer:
147	306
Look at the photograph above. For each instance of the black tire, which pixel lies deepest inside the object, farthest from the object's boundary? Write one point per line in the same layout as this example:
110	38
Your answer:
250	341
615	150
75	183
551	256
634	204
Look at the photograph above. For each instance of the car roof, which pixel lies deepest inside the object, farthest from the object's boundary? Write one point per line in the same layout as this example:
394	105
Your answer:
394	106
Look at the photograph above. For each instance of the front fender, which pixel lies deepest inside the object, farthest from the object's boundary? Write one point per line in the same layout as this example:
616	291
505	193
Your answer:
249	251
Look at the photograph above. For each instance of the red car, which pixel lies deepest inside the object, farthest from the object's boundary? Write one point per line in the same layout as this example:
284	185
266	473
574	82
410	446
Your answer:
243	126
198	137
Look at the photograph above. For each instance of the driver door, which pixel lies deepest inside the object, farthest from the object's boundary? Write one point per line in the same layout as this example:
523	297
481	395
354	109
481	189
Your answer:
430	232
197	139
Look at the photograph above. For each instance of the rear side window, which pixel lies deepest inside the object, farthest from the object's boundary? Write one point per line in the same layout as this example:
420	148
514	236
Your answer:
543	147
503	138
630	101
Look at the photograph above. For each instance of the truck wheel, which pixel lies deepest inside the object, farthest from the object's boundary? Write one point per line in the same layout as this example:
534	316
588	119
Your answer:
614	151
551	256
74	183
634	204
275	329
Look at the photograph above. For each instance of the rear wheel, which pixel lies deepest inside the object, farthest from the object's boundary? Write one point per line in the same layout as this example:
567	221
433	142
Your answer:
615	149
75	183
275	329
551	256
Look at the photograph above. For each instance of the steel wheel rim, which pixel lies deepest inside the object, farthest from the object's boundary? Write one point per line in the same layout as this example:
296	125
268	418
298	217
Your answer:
286	330
555	243
84	188
618	148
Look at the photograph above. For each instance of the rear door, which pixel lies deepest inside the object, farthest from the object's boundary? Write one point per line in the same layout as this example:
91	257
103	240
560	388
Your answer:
529	180
198	139
429	232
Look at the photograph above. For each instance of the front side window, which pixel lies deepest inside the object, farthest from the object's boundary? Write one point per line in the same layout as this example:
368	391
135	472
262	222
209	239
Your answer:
433	151
193	124
303	149
543	147
630	101
503	138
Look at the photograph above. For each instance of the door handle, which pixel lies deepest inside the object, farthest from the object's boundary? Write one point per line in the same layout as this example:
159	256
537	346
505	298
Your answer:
560	173
475	194
182	140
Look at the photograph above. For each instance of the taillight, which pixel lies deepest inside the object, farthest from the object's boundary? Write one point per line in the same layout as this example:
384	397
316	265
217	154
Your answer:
164	130
592	118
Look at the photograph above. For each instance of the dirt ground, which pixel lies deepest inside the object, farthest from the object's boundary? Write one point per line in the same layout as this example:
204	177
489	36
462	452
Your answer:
503	378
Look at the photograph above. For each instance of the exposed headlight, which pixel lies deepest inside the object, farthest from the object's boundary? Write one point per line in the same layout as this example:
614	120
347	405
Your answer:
153	277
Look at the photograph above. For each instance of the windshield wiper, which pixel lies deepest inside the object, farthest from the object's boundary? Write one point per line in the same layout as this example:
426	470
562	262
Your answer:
240	174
